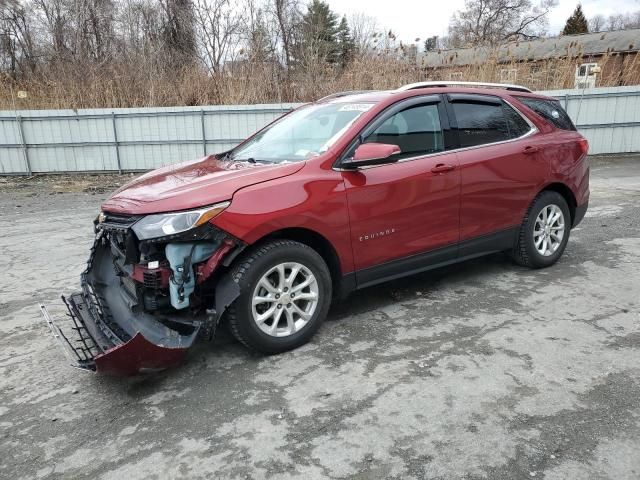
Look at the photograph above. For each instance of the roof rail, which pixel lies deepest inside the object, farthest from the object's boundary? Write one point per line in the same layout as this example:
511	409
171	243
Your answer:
343	94
505	86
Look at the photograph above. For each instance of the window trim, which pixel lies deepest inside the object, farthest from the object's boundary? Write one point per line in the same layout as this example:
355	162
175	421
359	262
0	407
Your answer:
388	112
451	123
490	100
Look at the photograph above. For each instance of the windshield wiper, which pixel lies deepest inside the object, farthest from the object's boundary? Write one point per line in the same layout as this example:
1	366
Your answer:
250	159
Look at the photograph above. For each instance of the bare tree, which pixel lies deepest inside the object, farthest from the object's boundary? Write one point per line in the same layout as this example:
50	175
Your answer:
17	47
178	32
287	16
219	26
489	22
623	21
597	23
259	36
364	29
55	24
139	26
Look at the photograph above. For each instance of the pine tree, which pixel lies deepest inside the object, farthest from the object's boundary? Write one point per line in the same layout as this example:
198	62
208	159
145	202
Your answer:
431	43
346	43
320	33
576	23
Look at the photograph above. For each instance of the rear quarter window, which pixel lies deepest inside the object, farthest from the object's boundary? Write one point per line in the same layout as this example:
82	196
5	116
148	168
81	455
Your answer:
550	110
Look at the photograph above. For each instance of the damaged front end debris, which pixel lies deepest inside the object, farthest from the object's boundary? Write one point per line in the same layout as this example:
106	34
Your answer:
143	303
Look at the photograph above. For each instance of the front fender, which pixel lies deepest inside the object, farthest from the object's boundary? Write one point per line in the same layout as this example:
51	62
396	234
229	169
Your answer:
313	199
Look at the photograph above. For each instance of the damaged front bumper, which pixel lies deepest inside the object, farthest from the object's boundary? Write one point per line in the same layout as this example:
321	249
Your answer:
109	327
88	349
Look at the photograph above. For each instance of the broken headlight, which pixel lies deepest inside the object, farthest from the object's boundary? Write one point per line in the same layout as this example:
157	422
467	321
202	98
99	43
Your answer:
163	224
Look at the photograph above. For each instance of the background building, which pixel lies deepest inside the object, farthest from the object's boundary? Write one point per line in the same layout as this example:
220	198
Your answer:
603	59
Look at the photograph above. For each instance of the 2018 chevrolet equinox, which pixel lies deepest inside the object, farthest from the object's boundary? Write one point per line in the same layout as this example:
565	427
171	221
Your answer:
349	191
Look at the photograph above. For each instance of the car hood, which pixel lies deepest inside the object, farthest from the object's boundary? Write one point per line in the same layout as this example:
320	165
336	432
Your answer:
192	184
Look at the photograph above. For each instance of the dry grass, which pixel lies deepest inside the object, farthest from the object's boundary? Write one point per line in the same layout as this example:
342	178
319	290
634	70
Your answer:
123	85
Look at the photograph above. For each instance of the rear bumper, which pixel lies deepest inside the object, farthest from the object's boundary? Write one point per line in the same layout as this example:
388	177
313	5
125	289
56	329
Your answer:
581	211
106	333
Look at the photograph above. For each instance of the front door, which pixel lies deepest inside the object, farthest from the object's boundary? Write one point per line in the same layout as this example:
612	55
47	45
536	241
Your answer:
399	211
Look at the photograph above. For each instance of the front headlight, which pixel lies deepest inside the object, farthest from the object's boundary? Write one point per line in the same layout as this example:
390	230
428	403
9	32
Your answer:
163	224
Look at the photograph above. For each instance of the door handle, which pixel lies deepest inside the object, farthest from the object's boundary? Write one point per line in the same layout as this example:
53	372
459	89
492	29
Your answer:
531	149
442	168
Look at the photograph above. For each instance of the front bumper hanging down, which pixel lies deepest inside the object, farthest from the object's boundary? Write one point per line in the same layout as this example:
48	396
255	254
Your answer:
108	333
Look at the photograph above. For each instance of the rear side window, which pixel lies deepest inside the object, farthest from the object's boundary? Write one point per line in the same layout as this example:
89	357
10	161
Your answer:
416	130
482	123
550	110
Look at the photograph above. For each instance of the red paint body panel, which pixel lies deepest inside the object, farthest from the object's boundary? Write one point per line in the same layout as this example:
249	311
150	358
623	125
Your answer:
498	183
401	209
568	163
138	355
313	199
488	189
191	185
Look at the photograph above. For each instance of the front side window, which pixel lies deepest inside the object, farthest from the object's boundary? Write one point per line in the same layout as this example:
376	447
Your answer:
482	123
303	134
416	130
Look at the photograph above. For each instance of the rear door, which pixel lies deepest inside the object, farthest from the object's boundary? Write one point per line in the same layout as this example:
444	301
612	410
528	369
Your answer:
500	166
408	207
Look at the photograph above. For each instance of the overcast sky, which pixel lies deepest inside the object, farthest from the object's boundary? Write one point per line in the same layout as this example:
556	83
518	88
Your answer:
411	19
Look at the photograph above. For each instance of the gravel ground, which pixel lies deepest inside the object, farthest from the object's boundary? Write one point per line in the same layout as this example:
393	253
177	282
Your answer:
482	370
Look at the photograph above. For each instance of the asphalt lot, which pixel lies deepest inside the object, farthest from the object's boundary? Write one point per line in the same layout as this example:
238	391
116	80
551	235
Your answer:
483	370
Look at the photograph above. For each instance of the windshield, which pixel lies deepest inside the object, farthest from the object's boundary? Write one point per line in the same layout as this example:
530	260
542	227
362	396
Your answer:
303	134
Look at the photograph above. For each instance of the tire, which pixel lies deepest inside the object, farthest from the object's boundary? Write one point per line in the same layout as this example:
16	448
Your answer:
530	242
292	329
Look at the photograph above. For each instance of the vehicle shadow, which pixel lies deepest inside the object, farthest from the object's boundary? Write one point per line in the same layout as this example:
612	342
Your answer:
385	294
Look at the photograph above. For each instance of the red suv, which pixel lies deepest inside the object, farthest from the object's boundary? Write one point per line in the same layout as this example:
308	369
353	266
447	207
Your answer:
355	189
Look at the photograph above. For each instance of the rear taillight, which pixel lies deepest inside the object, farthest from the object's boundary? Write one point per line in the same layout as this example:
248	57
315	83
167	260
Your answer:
584	146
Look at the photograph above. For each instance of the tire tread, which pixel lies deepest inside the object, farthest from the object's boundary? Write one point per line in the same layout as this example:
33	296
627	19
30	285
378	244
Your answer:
520	253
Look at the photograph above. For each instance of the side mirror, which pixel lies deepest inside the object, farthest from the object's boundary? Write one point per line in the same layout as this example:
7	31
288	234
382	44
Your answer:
372	154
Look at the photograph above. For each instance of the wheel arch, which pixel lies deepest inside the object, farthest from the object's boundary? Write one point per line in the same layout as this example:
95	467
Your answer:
566	193
316	241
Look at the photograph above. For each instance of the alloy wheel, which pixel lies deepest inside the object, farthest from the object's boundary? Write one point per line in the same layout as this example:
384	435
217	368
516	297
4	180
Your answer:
548	230
285	299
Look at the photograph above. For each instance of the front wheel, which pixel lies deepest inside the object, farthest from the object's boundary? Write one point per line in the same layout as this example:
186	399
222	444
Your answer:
285	293
544	232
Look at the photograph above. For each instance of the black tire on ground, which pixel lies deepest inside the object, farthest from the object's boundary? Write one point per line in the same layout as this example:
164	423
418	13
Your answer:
247	273
525	253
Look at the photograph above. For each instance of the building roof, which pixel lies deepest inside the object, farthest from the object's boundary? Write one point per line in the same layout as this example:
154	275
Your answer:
567	45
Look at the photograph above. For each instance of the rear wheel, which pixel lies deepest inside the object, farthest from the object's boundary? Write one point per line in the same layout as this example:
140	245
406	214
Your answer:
544	232
285	293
